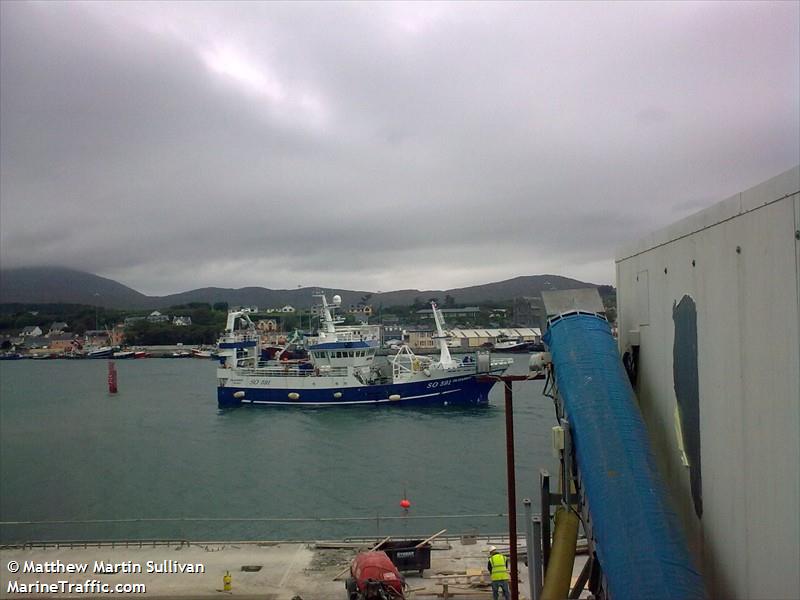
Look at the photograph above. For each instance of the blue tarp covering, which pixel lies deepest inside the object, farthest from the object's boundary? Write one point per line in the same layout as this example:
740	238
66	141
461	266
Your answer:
640	544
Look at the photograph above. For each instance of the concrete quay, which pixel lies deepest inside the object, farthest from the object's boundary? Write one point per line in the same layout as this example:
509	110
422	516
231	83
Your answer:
288	570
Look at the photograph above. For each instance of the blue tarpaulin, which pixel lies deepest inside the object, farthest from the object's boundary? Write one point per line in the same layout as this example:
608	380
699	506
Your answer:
640	544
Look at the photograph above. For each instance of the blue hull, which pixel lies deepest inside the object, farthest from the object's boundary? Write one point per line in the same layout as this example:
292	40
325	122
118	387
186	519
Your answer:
463	390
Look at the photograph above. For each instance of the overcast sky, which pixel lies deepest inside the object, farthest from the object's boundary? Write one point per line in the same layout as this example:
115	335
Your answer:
374	146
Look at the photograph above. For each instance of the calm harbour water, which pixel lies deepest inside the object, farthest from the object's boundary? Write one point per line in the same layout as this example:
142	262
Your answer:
160	449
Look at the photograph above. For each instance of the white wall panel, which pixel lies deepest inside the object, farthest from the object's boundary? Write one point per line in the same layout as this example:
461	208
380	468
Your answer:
748	313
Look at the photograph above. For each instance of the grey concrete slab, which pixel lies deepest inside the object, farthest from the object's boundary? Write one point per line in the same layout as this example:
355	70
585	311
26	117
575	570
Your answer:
288	570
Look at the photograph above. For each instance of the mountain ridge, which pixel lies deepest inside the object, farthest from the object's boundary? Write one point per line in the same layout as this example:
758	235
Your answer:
50	285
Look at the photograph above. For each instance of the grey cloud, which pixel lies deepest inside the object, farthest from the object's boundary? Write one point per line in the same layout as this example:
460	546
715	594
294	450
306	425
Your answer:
378	146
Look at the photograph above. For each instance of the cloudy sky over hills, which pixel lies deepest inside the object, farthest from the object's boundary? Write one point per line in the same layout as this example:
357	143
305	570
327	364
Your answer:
373	146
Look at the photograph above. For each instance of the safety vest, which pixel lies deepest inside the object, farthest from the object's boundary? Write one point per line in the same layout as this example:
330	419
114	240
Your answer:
499	571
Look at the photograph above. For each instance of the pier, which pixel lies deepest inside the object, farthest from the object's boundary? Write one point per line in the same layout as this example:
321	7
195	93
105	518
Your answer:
273	570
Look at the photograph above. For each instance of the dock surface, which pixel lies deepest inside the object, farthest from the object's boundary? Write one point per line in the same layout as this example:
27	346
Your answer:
288	570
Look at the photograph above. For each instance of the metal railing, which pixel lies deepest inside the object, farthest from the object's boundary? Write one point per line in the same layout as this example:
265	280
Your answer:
263	370
381	524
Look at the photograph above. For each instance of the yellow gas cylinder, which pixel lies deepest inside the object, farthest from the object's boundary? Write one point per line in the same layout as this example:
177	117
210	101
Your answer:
226	581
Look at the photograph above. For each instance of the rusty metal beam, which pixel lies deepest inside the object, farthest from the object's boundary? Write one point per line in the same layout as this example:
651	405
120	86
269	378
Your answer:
512	488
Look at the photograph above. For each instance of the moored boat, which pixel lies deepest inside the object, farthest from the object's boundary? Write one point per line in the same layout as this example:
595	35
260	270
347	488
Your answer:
341	369
507	344
102	352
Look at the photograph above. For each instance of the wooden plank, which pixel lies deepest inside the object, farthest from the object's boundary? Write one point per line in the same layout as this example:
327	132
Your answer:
379	544
375	547
434	536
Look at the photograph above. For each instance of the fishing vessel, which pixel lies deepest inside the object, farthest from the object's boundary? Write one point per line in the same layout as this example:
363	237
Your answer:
341	369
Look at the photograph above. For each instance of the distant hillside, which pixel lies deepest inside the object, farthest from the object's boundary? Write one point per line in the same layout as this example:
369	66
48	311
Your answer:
49	285
58	285
258	296
528	285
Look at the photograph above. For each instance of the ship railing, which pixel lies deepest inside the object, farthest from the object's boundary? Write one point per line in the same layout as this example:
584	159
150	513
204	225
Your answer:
344	335
352	336
500	362
238	337
405	363
263	370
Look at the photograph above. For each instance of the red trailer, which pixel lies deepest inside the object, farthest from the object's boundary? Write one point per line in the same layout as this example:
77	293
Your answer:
373	576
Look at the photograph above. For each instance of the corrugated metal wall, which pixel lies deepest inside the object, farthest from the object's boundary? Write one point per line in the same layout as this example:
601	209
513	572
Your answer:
738	263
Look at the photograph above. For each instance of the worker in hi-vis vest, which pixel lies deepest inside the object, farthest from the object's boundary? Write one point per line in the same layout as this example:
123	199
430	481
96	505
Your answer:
498	569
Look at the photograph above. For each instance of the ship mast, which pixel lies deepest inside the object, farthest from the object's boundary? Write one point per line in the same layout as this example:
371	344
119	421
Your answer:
327	317
328	322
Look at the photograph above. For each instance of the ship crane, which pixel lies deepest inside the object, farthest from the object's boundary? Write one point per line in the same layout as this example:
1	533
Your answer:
445	360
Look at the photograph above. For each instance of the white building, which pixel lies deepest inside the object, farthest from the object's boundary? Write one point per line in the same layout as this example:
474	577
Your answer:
157	317
713	304
475	338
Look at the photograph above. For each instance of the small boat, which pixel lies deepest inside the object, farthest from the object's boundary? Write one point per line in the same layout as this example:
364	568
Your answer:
341	369
124	354
102	352
507	344
181	354
11	356
140	354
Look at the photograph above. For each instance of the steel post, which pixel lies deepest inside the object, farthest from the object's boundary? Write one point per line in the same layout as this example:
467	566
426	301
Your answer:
544	485
566	463
536	560
526	503
512	490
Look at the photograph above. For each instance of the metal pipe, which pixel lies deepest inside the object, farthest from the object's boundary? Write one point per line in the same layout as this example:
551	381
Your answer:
562	556
512	491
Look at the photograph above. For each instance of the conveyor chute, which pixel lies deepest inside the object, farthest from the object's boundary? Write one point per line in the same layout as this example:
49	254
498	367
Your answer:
639	542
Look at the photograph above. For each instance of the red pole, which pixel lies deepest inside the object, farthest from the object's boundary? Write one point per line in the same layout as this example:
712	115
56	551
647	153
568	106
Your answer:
112	377
512	491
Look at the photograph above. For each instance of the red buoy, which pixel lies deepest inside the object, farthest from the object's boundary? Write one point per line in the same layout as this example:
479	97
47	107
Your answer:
112	377
404	503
